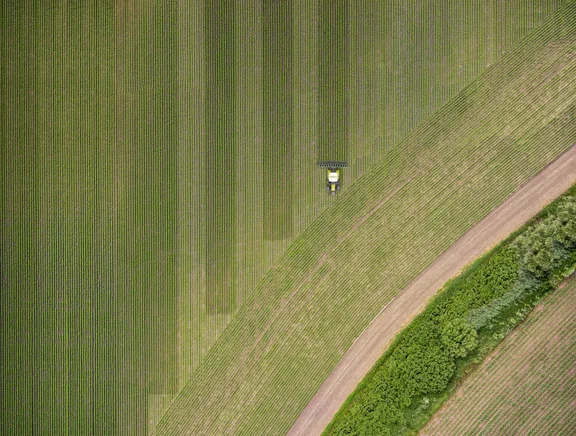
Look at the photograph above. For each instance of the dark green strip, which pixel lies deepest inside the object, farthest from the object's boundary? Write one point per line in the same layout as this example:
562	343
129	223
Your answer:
18	221
159	196
333	80
154	288
50	403
220	92
79	218
130	400
106	326
278	118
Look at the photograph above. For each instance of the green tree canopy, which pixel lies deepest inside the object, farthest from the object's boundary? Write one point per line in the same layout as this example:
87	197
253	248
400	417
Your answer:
459	337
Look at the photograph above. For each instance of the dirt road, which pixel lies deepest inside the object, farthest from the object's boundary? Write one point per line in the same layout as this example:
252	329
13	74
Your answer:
371	344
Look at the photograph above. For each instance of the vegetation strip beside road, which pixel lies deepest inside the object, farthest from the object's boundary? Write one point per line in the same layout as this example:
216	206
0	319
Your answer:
527	385
450	173
462	325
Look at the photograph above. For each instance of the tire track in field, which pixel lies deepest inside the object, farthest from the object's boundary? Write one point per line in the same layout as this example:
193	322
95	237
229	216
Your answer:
371	344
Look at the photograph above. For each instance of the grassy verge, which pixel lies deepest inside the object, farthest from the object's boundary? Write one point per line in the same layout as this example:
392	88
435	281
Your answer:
462	325
383	230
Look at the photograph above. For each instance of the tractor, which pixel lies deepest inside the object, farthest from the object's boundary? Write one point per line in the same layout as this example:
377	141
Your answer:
333	174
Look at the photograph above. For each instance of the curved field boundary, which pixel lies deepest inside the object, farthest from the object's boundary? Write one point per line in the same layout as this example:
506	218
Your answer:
450	173
527	385
93	180
372	343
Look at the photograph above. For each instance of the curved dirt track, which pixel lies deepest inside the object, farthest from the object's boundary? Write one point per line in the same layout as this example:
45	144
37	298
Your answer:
371	344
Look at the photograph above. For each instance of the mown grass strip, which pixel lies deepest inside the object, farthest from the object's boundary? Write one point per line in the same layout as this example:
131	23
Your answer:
106	324
77	176
250	184
130	397
309	308
50	328
193	331
309	181
220	83
156	193
18	218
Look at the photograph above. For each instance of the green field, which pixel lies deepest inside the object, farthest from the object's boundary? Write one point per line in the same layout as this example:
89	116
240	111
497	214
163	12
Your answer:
410	207
219	160
527	385
157	162
278	118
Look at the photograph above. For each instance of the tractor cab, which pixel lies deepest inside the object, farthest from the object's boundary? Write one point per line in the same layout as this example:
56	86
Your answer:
333	175
333	184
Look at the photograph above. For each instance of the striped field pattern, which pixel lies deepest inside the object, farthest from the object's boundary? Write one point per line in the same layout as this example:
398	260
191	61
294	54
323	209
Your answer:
386	228
159	157
527	385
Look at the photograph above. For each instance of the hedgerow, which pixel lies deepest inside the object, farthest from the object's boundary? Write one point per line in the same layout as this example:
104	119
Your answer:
466	320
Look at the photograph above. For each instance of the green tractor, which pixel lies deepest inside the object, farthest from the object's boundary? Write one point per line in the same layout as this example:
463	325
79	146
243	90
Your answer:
333	174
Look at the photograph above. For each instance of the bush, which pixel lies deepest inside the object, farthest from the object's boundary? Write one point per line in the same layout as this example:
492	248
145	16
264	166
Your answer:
459	337
491	280
424	370
545	246
484	315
